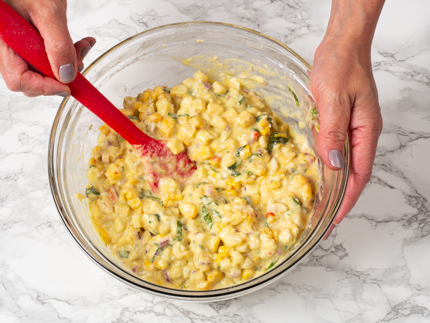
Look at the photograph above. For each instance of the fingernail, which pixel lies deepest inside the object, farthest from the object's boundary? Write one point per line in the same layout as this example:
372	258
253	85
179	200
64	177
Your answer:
67	73
80	68
63	94
92	43
85	51
336	158
330	230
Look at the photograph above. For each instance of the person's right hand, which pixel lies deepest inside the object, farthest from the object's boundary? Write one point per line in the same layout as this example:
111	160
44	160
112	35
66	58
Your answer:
49	17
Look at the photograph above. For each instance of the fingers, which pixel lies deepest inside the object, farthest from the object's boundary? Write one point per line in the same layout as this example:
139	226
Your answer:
82	48
334	115
50	19
366	128
19	78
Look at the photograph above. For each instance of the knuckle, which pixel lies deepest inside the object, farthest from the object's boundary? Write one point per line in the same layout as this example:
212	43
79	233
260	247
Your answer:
13	83
59	48
334	135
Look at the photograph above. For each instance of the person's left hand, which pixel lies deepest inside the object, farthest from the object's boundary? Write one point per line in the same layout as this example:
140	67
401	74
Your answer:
343	86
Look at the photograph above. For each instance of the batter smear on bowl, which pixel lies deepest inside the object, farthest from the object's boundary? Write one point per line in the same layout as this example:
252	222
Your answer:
239	213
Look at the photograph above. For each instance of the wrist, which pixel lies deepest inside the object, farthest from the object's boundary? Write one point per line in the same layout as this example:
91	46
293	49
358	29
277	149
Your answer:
353	22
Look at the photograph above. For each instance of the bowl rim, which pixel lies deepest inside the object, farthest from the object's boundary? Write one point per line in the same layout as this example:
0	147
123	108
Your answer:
245	290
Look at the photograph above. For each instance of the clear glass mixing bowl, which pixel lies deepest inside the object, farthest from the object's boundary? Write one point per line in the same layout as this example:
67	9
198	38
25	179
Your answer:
153	58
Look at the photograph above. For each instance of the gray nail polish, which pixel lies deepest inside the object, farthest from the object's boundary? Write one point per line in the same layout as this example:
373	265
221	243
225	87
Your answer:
67	73
80	68
92	43
63	94
336	158
85	51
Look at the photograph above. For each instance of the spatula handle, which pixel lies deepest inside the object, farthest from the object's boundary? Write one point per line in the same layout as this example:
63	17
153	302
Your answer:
26	41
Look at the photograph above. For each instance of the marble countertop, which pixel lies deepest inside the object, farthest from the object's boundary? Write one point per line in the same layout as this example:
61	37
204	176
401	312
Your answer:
373	268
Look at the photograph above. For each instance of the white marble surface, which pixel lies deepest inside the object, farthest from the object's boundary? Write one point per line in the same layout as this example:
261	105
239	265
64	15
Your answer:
374	268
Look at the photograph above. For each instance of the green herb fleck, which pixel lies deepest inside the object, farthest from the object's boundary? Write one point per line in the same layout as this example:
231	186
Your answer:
197	186
297	201
133	118
272	264
143	196
254	154
216	213
314	112
176	116
295	96
241	99
158	217
277	138
285	248
239	150
247	199
91	166
178	231
90	191
214	170
207	217
261	116
123	253
235	173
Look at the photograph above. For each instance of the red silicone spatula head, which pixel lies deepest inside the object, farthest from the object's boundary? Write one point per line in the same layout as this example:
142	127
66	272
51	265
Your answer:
26	41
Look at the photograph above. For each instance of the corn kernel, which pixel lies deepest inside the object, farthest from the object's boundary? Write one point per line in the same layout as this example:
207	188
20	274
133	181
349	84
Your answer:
204	153
218	88
263	123
275	184
217	227
199	105
214	243
245	119
257	169
230	192
166	126
276	235
215	161
200	76
189	210
131	193
214	277
148	265
224	251
247	273
103	235
232	183
175	145
160	263
204	285
265	131
164	107
245	152
267	231
135	203
197	121
203	136
155	117
271	217
180	90
105	129
137	221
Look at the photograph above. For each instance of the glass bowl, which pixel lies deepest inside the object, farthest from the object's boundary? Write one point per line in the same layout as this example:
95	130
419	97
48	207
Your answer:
155	57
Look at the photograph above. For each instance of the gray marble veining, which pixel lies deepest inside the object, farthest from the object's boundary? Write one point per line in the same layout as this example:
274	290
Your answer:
373	268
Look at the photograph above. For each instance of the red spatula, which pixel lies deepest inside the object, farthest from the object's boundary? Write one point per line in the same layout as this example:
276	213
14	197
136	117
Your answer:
26	41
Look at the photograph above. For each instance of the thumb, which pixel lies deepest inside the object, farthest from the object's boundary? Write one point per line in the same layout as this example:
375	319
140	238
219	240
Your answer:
335	113
50	19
